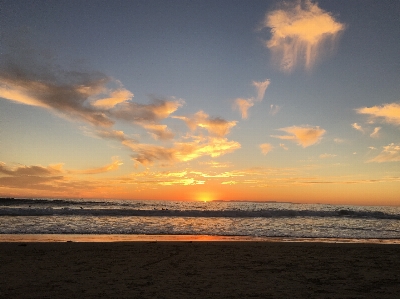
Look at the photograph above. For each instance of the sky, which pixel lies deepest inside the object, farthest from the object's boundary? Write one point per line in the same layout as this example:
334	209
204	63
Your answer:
295	101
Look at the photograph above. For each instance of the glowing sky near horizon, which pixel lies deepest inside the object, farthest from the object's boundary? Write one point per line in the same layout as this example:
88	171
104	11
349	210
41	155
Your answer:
201	100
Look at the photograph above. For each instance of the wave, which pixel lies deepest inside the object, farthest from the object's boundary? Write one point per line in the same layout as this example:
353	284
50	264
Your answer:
268	213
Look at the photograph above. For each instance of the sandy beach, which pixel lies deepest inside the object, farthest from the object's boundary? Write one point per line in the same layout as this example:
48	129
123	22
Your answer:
199	270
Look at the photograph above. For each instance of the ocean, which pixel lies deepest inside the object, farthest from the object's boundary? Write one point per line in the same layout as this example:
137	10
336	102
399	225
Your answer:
124	218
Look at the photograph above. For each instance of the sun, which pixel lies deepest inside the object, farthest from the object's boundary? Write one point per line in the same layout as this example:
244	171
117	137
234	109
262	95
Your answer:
205	197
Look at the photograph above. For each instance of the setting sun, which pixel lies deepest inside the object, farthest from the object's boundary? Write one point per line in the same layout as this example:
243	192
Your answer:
205	197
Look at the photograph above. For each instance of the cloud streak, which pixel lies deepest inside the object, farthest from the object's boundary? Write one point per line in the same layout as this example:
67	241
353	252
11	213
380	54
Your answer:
107	168
33	170
51	178
299	32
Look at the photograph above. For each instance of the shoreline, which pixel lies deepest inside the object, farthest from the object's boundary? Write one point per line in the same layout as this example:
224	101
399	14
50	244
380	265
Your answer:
210	269
93	238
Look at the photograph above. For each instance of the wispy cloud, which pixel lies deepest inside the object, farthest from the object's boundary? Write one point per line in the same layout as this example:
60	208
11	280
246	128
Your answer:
215	126
229	183
139	113
357	127
90	97
148	116
215	164
112	134
56	169
110	167
50	178
147	154
375	133
243	106
116	97
304	136
390	113
338	140
226	174
33	170
265	148
274	109
390	153
69	97
158	131
299	30
151	179
261	88
282	145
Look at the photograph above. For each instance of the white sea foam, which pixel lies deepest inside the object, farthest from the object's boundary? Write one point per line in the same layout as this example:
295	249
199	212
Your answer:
43	216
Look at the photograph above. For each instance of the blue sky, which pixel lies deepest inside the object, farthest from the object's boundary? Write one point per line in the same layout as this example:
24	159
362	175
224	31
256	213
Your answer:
165	100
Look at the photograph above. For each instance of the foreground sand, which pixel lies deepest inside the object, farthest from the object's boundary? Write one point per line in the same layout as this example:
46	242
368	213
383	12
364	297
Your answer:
199	270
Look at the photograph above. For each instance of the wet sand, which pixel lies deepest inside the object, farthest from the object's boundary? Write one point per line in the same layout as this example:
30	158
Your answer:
199	270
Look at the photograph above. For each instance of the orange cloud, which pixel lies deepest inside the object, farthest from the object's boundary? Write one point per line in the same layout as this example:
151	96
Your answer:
34	177
304	136
243	106
390	153
111	134
148	116
389	112
375	133
158	131
265	148
116	97
91	97
357	127
161	178
226	174
65	98
298	32
146	154
31	170
215	164
110	167
134	112
229	183
215	126
20	95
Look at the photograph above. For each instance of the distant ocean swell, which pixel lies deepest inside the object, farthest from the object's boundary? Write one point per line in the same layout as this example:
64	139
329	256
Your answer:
253	219
269	213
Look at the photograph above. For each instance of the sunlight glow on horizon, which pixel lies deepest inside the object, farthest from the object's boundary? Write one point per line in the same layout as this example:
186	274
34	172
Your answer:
264	102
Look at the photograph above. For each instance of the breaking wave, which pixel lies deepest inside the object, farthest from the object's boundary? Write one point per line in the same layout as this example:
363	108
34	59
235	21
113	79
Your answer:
235	213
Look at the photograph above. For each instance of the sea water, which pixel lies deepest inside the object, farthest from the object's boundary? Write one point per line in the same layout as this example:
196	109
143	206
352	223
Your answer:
249	219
